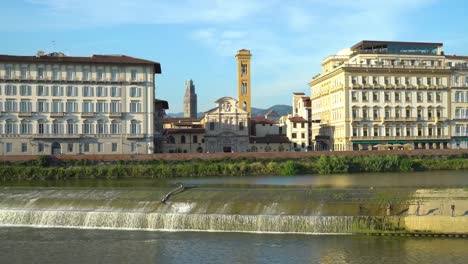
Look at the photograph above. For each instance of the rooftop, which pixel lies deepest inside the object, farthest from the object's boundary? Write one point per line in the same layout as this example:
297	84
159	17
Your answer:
98	59
398	47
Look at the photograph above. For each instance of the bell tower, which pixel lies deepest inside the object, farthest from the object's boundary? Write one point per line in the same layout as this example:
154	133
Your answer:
243	79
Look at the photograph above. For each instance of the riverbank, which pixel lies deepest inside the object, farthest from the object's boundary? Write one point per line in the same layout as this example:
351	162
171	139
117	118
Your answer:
51	168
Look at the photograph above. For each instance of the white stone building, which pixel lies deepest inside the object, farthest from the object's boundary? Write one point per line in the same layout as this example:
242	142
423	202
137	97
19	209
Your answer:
226	127
298	124
459	100
57	104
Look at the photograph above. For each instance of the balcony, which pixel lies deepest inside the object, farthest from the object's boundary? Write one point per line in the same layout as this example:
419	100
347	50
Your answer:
88	114
395	66
25	114
135	136
386	138
56	114
115	114
54	136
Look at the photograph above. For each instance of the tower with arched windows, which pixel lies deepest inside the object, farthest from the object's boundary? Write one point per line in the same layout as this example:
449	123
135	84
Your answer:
243	57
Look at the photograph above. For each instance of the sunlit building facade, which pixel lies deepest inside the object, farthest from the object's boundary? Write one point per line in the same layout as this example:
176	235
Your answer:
383	95
57	104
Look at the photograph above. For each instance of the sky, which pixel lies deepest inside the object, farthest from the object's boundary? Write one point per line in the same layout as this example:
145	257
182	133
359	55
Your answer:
198	39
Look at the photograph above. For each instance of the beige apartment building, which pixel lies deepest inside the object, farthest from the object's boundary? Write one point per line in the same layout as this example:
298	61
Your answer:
183	135
459	100
297	125
383	95
57	104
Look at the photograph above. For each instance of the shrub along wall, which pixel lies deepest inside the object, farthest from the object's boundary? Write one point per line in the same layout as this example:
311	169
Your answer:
47	168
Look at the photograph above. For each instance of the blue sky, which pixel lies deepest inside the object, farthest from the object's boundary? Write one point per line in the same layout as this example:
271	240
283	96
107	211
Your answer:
198	39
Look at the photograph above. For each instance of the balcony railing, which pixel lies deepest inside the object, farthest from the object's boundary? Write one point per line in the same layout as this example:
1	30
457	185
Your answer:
399	137
135	136
115	114
17	78
396	66
25	114
56	114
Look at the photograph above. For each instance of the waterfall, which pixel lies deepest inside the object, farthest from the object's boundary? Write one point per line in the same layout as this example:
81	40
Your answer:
141	209
192	222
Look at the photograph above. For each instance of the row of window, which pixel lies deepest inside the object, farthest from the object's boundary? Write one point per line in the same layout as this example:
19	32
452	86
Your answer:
69	74
68	128
461	97
396	112
294	135
396	96
378	131
184	140
402	62
394	80
212	125
295	125
69	91
70	147
57	106
461	130
461	113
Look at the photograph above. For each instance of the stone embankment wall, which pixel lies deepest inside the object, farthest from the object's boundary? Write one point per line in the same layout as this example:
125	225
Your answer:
251	155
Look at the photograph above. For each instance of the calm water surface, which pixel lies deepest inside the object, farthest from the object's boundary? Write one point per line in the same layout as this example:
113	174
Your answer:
40	245
427	179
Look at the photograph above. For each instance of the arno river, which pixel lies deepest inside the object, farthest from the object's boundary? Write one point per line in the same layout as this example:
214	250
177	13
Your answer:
36	243
40	245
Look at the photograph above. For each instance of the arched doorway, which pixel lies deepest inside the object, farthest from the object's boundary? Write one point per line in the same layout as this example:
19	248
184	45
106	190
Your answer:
56	148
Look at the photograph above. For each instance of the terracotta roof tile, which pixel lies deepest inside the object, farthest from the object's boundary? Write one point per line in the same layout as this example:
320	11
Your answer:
297	119
262	120
100	59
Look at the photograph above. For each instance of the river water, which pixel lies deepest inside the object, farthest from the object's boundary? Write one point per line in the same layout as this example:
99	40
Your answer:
124	205
40	245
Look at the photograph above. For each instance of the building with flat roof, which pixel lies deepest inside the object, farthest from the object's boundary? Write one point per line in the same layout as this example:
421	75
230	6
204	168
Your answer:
57	104
383	95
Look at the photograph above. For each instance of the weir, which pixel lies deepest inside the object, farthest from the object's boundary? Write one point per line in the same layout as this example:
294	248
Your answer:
232	210
198	222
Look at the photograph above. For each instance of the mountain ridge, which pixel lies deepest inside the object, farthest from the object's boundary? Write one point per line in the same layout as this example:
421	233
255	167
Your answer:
280	109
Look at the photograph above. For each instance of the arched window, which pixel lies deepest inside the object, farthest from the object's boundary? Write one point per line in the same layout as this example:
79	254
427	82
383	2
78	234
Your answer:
41	126
88	127
71	129
171	140
101	127
135	127
57	127
115	127
182	139
25	127
10	127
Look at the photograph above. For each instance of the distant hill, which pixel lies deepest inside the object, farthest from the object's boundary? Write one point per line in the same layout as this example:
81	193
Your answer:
181	114
280	109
